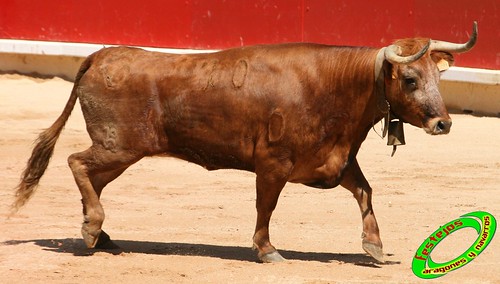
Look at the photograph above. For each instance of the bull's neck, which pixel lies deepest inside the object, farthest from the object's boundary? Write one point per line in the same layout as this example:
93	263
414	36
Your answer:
354	86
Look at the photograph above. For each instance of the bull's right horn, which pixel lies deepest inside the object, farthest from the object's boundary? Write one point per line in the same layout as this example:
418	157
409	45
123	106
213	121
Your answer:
392	54
456	47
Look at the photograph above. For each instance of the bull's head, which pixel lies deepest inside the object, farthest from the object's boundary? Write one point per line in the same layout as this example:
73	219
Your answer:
412	71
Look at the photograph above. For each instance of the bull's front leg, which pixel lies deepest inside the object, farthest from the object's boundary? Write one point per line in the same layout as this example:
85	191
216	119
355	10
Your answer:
354	180
267	197
272	171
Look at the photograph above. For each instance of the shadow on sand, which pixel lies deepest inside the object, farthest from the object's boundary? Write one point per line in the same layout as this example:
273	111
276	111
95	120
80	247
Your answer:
77	248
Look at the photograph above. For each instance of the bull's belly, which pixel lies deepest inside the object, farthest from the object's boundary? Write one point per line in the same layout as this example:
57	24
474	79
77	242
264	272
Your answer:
210	147
321	173
210	159
323	182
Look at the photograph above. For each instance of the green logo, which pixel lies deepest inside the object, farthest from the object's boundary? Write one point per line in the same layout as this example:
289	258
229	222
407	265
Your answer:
485	225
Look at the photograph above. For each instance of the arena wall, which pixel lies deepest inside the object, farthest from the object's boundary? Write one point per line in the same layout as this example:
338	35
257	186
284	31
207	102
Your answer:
51	37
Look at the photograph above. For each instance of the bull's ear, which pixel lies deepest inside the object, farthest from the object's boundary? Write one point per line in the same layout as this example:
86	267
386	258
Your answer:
443	59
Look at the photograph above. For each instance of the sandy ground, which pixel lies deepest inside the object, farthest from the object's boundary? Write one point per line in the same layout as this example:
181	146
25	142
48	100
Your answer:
176	222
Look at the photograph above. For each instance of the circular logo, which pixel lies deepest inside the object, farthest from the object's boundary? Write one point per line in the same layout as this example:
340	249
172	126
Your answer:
485	225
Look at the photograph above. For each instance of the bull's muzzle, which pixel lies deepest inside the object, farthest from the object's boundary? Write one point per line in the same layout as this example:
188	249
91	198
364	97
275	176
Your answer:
438	126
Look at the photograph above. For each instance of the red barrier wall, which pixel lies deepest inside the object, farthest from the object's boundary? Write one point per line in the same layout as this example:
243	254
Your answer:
214	24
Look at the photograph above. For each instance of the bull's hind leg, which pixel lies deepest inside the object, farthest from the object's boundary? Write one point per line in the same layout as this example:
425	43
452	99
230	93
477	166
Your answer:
354	180
93	169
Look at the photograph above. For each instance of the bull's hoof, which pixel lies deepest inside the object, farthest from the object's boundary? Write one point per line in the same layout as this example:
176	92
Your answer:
99	240
89	238
271	257
374	251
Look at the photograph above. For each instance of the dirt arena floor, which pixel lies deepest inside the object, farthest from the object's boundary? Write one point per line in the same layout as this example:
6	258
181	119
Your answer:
177	223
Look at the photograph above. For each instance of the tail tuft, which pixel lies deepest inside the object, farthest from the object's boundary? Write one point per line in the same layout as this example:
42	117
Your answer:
36	166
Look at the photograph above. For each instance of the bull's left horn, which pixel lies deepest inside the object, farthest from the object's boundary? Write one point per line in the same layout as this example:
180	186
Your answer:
456	47
392	54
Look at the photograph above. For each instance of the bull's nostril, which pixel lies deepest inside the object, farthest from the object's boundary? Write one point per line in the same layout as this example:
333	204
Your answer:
441	125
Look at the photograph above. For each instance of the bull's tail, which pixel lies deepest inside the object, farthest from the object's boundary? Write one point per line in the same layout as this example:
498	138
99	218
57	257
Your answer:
44	148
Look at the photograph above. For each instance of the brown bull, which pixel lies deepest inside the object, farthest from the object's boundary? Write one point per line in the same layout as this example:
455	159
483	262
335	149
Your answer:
290	113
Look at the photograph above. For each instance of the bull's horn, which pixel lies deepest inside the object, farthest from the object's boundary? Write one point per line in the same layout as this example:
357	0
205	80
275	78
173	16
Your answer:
392	54
456	47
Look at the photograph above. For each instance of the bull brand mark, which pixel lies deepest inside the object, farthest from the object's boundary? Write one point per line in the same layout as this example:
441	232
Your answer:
485	225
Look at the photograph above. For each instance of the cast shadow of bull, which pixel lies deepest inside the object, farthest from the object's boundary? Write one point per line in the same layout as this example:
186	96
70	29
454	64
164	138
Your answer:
77	248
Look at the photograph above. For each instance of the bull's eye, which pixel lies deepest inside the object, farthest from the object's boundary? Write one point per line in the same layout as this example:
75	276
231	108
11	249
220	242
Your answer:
410	83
